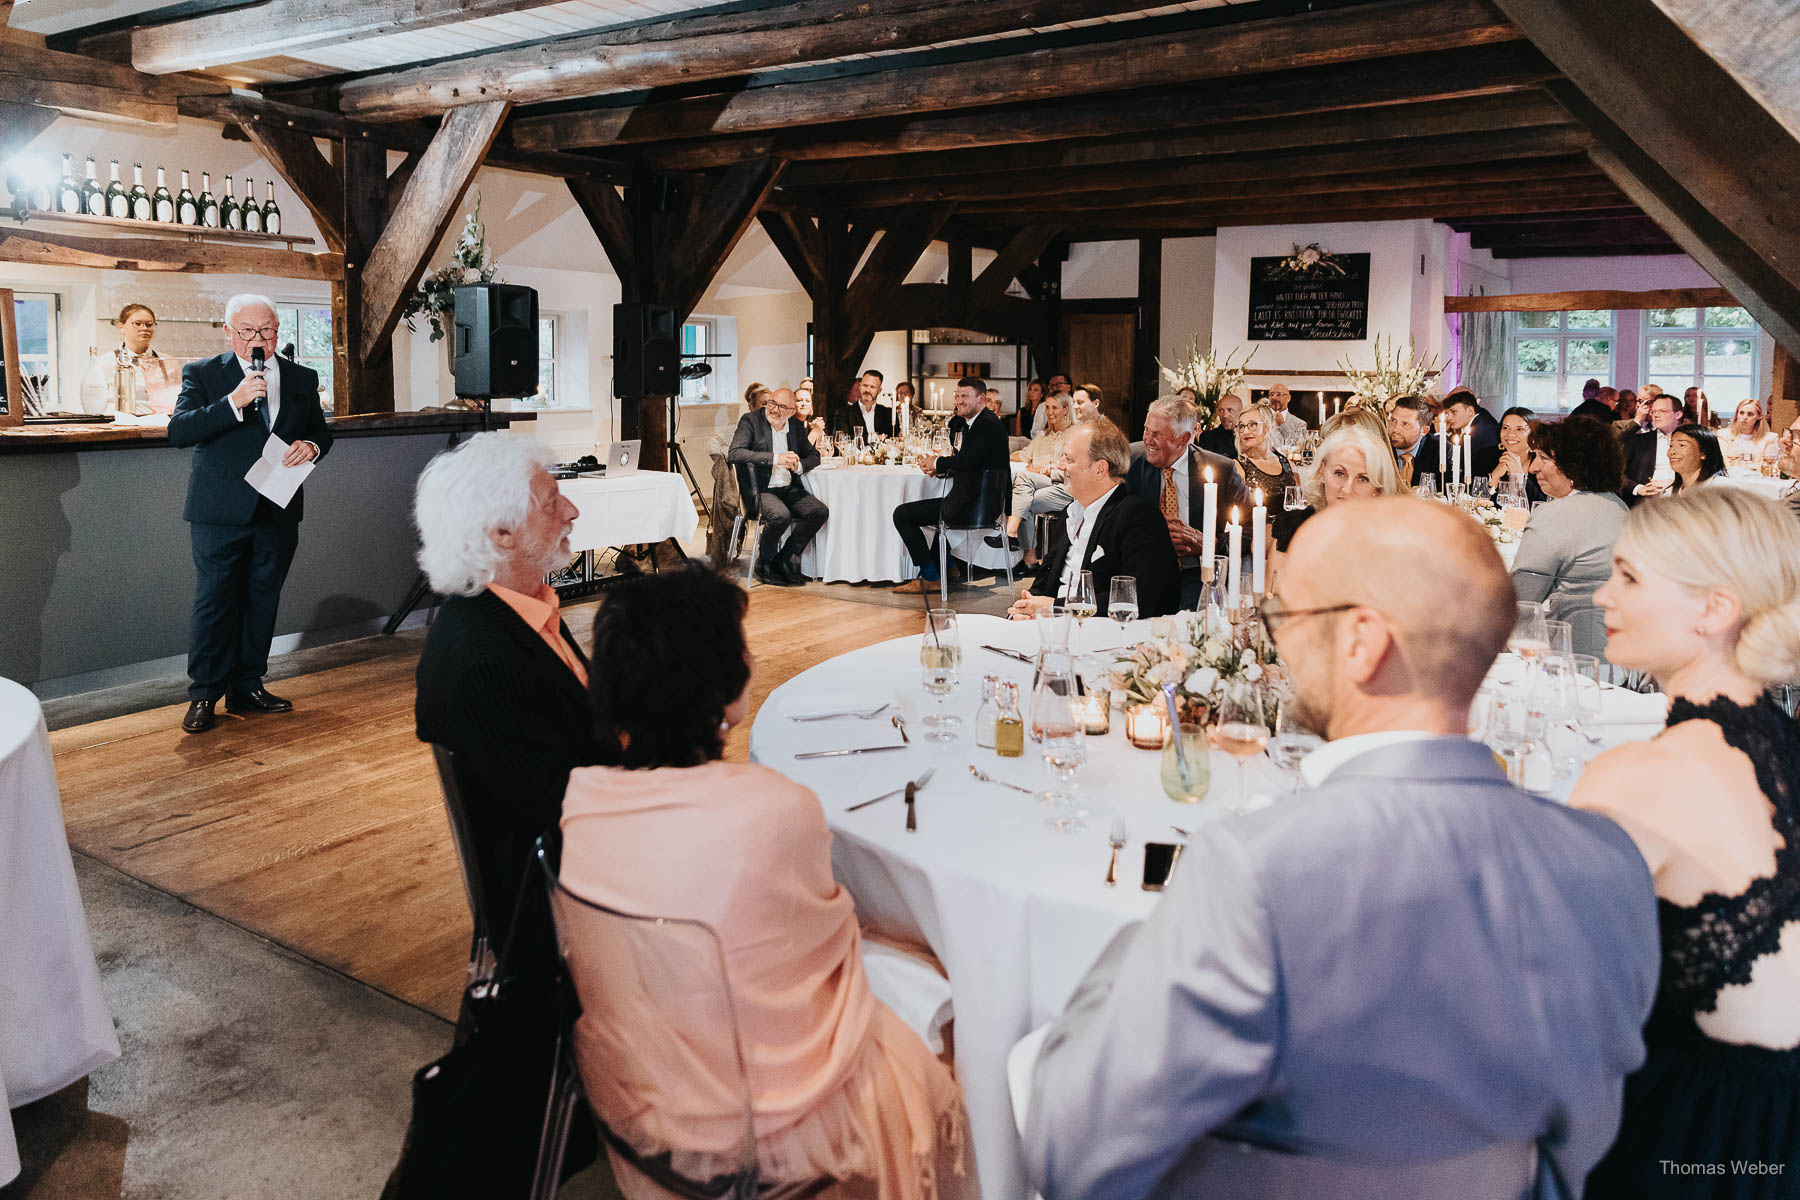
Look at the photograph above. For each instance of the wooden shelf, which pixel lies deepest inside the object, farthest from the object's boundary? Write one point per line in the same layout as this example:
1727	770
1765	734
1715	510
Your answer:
187	255
156	229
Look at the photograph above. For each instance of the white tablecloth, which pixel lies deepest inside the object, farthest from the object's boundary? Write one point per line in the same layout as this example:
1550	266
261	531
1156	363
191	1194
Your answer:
1015	912
859	543
54	1027
1763	485
632	509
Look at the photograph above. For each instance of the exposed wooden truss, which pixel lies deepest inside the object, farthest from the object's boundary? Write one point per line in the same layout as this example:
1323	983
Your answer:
1593	299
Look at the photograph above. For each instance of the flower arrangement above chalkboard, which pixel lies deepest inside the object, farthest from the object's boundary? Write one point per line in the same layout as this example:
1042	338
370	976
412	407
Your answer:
1307	261
1208	373
469	263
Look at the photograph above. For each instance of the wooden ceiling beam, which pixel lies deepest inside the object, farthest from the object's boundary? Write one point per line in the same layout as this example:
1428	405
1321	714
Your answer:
894	255
1383	29
1592	299
605	211
1125	222
721	221
698	47
800	245
78	86
289	26
1625	212
319	185
1020	252
1638	232
1646	250
41	247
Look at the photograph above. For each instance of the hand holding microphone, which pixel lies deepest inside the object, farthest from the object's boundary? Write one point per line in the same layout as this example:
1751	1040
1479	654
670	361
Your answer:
255	385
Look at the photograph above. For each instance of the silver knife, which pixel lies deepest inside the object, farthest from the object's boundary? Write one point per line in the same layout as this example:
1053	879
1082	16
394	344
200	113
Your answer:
912	816
1016	654
841	753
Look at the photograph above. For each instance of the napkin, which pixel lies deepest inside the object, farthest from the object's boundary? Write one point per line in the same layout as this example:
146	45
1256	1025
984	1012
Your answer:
817	704
918	995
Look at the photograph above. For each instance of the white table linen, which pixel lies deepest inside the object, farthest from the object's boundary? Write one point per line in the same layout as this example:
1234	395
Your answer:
54	1027
1771	486
858	543
1016	913
630	510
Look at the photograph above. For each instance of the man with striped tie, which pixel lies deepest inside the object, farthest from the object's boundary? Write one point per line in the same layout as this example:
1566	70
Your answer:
1169	471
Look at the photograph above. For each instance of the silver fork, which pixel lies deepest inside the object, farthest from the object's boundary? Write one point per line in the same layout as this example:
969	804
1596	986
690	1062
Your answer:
1117	840
859	714
982	775
920	782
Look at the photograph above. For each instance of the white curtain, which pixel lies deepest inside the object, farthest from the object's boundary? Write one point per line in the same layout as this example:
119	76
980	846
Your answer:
1485	336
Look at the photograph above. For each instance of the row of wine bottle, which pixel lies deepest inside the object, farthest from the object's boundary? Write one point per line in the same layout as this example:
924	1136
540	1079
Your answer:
182	208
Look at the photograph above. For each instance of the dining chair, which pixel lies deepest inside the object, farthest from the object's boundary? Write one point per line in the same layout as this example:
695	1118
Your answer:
481	948
748	521
993	503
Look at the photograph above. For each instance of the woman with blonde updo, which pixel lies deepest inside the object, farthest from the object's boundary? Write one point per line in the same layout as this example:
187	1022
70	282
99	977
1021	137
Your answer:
1705	597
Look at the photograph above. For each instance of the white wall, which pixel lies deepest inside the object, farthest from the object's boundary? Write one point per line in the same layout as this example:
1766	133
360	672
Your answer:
1100	271
1188	267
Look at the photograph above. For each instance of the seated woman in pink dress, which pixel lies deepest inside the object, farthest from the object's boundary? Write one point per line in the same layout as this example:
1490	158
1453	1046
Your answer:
840	1087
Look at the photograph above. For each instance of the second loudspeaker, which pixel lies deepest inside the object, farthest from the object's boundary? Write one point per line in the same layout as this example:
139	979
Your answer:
496	350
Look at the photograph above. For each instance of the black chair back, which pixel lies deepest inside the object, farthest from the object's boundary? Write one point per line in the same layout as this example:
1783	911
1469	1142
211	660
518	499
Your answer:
464	837
746	481
990	501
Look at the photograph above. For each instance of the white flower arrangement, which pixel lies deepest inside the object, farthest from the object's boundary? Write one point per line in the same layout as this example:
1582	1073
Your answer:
435	296
1394	375
1211	377
1200	658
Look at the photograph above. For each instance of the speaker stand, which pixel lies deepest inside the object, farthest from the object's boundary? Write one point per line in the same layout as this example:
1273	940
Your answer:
677	460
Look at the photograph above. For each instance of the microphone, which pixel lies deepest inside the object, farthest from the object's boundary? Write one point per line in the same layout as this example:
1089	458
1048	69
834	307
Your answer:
257	361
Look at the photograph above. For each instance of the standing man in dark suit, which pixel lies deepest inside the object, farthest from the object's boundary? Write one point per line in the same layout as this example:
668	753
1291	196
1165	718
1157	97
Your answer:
243	542
1169	472
1466	416
770	444
1117	533
984	448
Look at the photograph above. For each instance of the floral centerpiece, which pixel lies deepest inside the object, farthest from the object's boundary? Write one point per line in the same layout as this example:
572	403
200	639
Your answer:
1201	657
1307	261
435	297
1210	376
1494	520
1394	375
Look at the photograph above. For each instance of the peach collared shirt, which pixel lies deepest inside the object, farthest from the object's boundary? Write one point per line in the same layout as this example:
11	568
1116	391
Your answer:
541	613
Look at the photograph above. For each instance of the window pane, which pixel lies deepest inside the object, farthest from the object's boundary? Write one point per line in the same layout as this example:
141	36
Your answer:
1729	356
1591	318
1590	357
1673	384
1539	320
1728	318
1723	392
1536	354
546	338
33	315
1671	318
1536	391
315	332
288	317
1672	356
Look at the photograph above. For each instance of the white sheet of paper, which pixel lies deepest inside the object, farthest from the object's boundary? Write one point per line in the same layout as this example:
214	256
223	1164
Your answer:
273	480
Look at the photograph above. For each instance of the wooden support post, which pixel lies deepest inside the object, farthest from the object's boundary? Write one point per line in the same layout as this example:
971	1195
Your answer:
1784	395
14	411
363	374
1144	372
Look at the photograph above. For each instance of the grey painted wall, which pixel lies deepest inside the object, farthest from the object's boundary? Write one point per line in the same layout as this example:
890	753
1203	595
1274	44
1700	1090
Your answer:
96	571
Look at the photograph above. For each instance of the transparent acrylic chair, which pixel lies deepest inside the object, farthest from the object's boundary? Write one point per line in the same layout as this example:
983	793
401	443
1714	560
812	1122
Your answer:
657	990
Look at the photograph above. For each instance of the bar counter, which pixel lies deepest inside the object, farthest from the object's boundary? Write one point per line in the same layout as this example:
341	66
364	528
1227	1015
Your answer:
96	567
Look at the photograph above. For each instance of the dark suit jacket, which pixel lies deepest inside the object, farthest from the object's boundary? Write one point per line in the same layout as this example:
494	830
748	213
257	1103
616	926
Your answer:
1146	480
226	446
1595	410
519	722
984	448
1219	441
753	448
1486	457
1129	538
1640	463
849	419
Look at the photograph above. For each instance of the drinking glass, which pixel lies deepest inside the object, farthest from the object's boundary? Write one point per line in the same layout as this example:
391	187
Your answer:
940	652
1560	636
1590	677
1063	749
1055	676
1193	789
1122	602
1291	741
1427	488
1241	732
1556	703
1479	488
1530	638
1081	605
1291	500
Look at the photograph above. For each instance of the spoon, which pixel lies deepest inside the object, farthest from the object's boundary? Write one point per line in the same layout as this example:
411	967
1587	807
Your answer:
982	775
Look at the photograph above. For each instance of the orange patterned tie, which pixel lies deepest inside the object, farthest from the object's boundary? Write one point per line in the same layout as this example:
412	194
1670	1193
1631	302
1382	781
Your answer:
1171	505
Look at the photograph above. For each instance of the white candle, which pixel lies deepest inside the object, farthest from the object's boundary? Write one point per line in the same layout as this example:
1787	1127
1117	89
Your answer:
1234	569
1259	547
1456	460
1443	450
1468	470
1209	520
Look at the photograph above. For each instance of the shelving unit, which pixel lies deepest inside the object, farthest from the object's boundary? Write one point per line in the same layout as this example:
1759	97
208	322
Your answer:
1008	362
156	229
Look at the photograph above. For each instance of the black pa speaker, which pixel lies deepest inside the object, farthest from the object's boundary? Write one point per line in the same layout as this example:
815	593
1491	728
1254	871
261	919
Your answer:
646	350
496	352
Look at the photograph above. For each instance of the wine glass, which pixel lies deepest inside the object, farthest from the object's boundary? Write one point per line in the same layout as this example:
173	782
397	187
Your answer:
1122	600
1427	489
1292	500
1560	636
1240	731
1081	604
1291	740
940	652
1064	750
1530	638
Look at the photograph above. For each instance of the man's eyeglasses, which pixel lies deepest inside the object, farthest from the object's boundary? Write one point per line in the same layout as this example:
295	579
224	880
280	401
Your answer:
265	333
1274	616
1789	435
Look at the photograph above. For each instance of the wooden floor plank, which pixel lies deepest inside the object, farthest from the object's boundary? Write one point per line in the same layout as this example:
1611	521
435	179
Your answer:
324	829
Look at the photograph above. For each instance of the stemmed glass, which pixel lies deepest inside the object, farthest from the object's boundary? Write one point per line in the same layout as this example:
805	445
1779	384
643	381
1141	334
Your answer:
940	652
1427	489
1064	750
1122	602
1241	732
1530	638
1081	605
1292	741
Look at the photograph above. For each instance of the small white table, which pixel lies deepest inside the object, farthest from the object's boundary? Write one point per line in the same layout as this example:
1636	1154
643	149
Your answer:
630	510
858	543
54	1027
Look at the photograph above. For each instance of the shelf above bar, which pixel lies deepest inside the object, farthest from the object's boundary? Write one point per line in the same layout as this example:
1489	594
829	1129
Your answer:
156	229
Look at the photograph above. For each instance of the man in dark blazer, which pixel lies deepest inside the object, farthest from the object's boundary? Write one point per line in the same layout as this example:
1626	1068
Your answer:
984	448
1466	416
1117	532
1221	439
770	451
1647	469
1169	472
863	413
243	542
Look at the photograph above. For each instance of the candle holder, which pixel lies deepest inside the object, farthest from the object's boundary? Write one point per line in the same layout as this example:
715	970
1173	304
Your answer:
1146	725
1095	711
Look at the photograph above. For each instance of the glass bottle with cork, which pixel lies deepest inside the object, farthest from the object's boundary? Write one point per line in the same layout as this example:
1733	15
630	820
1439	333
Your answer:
988	713
1009	725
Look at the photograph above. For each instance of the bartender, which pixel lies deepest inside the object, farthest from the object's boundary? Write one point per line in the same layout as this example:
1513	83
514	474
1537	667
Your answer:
138	324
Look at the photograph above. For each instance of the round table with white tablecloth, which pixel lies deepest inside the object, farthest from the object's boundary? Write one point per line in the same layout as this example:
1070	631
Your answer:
54	1027
646	506
1015	912
1772	486
858	543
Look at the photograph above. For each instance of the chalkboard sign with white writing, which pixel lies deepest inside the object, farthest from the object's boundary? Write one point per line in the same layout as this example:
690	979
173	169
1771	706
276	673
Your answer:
1310	296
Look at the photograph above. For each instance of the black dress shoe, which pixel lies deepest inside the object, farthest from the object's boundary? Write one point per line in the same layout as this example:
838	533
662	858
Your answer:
993	539
257	700
791	569
199	717
773	575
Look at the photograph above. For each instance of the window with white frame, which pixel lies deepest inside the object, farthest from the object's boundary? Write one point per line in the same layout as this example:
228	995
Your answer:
1713	349
699	336
1554	353
549	344
307	327
39	318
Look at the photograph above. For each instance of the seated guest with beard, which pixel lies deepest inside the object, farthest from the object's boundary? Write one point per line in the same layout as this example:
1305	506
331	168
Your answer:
863	413
1705	598
1465	416
1117	533
1414	445
501	681
771	445
1221	439
840	1088
984	449
1413	980
1565	553
1169	472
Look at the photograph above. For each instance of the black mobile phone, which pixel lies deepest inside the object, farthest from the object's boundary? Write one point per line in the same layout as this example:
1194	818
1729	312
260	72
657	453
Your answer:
1159	860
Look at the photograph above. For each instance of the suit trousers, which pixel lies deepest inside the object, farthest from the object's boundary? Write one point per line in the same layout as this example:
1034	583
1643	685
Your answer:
238	573
782	508
912	519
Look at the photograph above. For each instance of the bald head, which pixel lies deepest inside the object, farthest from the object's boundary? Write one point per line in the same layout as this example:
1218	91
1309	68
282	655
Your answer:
1434	605
780	404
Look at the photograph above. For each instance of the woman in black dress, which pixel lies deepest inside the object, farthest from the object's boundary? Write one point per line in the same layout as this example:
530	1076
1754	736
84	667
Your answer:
1262	464
1705	597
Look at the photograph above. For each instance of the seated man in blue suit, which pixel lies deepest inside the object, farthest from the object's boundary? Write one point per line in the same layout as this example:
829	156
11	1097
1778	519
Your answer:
243	542
1411	981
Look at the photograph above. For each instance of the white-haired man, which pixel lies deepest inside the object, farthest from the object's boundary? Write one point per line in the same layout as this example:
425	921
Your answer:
1169	471
243	542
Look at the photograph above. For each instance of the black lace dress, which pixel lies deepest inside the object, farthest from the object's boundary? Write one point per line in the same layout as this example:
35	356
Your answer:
1705	1118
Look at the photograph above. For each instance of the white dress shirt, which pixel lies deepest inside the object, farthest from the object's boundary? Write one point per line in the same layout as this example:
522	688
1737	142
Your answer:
868	420
1081	530
271	373
1664	473
1319	766
778	442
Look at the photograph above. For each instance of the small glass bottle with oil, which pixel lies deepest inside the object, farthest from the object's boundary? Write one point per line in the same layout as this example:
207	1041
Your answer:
1009	726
